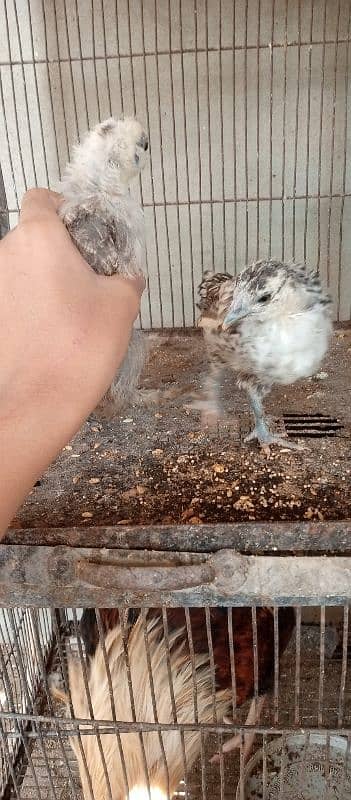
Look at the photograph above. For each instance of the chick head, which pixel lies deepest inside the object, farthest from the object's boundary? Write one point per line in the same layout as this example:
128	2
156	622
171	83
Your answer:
125	143
112	154
268	288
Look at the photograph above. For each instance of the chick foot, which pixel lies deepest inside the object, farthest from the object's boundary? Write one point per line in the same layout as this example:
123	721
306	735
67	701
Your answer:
266	438
261	430
209	418
210	415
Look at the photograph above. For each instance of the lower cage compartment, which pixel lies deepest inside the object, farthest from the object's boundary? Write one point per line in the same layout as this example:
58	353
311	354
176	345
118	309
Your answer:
160	685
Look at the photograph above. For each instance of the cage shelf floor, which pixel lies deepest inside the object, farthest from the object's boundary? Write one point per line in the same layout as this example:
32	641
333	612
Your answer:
156	465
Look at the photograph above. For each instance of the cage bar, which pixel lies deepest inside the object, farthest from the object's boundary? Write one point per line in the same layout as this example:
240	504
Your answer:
216	205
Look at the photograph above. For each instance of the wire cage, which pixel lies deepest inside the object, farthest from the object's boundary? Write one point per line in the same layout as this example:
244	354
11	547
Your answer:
129	724
130	699
247	108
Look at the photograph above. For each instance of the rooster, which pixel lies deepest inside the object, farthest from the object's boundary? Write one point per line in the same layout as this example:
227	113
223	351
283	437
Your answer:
169	650
107	225
270	325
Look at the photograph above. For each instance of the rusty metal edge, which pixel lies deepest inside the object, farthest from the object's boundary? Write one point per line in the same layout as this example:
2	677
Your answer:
51	576
280	538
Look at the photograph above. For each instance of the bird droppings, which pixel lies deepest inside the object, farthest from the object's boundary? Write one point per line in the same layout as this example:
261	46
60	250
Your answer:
165	470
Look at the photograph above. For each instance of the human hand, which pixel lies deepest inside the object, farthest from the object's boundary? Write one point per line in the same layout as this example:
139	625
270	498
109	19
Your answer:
64	331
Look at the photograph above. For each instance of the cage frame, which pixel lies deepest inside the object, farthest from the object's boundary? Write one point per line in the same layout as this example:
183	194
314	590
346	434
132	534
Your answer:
253	564
217	564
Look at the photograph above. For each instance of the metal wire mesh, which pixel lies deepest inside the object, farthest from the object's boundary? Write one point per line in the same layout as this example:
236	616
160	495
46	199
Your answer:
25	642
309	696
248	113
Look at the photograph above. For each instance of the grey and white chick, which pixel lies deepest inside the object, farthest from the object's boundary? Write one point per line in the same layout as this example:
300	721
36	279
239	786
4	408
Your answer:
270	325
107	225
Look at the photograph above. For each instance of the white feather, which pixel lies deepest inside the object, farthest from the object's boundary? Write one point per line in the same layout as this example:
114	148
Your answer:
182	680
287	348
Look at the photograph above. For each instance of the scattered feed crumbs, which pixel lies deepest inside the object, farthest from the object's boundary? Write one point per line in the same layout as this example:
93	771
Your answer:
159	467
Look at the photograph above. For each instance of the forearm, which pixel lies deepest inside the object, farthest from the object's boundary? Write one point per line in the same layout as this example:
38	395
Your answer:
36	425
29	443
64	331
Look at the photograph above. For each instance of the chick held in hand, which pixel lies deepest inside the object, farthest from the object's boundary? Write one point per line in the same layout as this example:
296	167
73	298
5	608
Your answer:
107	225
270	325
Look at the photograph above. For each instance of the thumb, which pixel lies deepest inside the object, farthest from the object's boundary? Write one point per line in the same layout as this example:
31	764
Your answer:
39	203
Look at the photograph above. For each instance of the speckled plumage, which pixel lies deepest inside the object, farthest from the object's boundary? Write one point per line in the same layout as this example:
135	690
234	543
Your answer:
107	225
270	324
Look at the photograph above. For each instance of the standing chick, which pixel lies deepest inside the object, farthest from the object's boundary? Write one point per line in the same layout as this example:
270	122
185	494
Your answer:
271	324
212	696
107	225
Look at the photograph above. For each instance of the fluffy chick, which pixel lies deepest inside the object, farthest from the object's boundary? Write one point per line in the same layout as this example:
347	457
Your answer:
270	325
107	225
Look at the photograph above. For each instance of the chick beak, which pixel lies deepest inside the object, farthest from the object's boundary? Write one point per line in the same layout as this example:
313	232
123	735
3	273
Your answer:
143	142
234	315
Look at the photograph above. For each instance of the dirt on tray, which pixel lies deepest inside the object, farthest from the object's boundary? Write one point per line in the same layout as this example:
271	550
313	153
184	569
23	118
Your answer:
157	466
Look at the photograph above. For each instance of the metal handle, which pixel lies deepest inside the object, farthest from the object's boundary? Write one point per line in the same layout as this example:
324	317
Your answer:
150	578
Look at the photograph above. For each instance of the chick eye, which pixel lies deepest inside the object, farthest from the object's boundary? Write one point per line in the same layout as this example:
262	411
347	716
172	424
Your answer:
264	298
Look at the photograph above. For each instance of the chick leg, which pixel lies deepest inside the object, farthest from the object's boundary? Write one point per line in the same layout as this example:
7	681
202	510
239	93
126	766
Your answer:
124	386
234	743
210	407
212	412
261	430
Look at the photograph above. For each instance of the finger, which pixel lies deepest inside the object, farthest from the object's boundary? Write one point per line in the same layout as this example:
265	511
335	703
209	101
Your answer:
137	283
39	203
140	283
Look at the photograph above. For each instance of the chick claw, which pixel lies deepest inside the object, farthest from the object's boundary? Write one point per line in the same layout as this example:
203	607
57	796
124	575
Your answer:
266	438
210	415
209	418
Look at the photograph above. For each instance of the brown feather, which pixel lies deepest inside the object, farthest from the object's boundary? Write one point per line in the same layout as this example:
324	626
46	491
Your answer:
242	640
